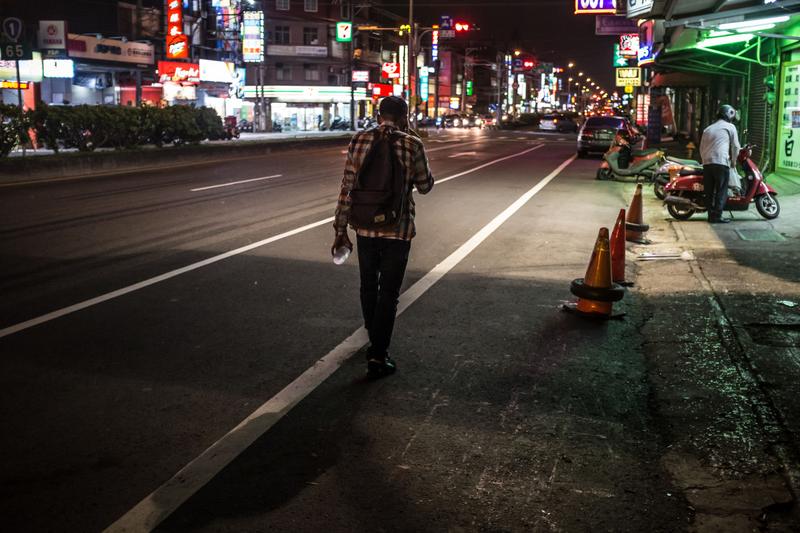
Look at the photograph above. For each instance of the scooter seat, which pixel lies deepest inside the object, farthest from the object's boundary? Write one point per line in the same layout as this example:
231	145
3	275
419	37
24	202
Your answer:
691	171
641	153
685	162
634	170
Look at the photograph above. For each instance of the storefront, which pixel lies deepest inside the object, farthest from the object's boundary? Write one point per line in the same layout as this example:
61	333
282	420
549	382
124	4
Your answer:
220	88
305	108
178	81
104	72
30	75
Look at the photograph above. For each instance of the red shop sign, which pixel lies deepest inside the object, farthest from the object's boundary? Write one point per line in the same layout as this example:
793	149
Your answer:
178	72
177	46
177	43
390	70
379	90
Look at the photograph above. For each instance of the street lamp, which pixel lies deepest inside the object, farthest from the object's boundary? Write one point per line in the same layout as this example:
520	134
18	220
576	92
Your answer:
571	64
517	53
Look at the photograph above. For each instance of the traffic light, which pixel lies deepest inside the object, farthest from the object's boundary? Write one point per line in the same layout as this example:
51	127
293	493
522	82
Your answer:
528	64
462	26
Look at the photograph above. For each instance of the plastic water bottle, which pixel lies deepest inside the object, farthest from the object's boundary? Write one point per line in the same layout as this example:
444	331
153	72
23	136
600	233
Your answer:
340	255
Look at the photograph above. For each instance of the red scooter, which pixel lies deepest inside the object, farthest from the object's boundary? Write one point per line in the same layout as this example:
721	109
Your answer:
685	196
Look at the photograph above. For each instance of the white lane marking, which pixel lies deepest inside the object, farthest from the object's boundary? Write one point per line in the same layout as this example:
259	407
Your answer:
490	163
461	154
152	281
10	330
504	137
163	501
228	184
428	151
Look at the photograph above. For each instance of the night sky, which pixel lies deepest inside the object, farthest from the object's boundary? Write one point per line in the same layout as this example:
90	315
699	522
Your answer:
547	27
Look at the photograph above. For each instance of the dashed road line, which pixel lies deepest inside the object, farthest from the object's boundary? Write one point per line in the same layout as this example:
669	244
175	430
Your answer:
228	184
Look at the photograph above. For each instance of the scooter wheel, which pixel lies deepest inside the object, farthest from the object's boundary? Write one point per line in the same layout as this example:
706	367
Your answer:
603	174
658	190
678	213
767	206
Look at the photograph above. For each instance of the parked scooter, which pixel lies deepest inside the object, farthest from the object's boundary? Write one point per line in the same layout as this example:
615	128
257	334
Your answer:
230	127
671	167
340	124
621	161
685	195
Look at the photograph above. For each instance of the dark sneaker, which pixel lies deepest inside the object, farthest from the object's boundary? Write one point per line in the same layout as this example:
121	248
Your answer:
380	367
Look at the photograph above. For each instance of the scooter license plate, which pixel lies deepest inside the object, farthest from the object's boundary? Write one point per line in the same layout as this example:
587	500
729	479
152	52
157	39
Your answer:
697	187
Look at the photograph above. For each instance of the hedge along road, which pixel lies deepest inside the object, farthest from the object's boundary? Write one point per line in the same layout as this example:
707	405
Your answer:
136	365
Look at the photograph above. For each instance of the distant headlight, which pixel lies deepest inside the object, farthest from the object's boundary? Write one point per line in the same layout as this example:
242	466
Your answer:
478	122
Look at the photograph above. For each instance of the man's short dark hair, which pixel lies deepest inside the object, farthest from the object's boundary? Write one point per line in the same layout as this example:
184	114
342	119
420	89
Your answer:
393	108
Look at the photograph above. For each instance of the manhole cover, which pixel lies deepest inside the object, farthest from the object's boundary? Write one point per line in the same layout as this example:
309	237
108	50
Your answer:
760	235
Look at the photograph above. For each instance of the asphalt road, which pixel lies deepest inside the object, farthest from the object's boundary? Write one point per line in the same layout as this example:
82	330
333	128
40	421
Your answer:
505	414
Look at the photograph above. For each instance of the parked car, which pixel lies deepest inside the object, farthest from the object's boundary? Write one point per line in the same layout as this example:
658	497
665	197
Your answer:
451	121
557	122
426	122
597	133
485	121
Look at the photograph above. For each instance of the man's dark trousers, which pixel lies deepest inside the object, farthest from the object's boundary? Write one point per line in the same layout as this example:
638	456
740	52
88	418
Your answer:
382	263
715	186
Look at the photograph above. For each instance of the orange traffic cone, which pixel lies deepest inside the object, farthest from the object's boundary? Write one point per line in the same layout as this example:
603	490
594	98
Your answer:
596	292
618	250
635	227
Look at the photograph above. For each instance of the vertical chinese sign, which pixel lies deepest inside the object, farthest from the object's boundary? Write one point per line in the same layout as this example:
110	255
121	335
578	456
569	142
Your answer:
177	42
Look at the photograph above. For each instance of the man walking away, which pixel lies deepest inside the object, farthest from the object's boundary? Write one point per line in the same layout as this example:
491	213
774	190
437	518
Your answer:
384	240
719	148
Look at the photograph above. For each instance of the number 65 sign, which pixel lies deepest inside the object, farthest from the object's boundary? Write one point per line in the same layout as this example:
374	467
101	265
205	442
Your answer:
595	7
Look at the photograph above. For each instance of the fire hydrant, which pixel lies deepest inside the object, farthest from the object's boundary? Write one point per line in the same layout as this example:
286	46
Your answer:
690	149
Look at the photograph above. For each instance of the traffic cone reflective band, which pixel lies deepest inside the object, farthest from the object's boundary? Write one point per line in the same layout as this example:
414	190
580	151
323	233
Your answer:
596	291
618	249
635	227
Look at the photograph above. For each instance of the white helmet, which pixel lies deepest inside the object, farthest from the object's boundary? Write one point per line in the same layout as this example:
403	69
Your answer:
727	112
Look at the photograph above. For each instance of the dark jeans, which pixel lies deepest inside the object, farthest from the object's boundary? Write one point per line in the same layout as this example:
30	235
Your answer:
715	185
382	263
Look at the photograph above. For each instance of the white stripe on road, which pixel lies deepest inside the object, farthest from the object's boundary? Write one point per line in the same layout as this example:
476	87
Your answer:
228	184
162	502
490	163
10	330
461	154
152	281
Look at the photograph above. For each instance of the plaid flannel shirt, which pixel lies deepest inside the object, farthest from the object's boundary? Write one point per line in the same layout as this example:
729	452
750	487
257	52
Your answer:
411	154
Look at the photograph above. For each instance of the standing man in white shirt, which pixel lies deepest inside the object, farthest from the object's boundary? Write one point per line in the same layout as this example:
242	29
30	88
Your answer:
719	148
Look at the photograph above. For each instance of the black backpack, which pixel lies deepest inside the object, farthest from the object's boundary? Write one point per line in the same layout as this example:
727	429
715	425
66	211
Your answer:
378	196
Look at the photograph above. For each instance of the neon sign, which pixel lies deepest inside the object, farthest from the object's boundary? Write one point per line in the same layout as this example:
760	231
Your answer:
595	7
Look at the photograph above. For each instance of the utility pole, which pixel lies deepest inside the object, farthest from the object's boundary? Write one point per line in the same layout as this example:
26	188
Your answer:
351	63
138	35
412	65
500	63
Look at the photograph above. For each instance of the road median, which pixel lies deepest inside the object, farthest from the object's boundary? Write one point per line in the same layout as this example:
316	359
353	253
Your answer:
74	165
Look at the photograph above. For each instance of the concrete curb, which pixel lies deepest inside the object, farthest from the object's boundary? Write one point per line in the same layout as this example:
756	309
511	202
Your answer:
69	166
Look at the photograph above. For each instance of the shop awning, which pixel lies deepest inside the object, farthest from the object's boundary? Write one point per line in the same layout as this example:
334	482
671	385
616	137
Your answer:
679	79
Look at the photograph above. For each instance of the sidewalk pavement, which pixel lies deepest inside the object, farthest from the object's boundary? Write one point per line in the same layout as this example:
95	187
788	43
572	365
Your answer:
722	349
